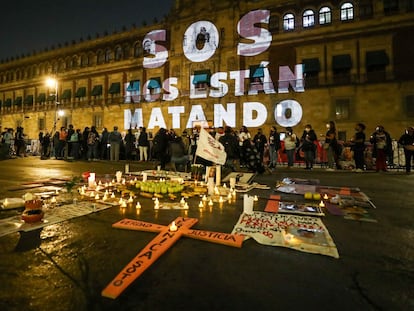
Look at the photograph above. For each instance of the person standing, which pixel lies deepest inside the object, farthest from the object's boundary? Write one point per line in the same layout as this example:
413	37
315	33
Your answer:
358	147
231	146
93	144
68	150
407	141
274	146
381	141
130	151
331	145
291	142
160	147
143	145
115	141
74	140
308	146
8	142
260	141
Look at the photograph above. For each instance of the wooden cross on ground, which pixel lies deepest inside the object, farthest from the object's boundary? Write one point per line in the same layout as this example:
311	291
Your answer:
167	236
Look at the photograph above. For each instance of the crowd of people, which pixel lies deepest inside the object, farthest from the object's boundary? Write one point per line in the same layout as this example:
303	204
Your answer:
257	153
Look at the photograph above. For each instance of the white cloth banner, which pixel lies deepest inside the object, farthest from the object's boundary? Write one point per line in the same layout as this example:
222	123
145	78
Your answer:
210	149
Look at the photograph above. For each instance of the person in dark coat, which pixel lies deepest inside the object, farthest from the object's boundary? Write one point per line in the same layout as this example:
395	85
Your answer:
407	141
358	147
160	147
308	146
231	145
260	142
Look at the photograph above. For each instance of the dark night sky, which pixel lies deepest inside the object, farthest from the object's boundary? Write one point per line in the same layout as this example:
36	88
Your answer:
27	25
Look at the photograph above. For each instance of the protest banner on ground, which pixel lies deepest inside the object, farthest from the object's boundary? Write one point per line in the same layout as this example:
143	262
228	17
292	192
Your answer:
302	233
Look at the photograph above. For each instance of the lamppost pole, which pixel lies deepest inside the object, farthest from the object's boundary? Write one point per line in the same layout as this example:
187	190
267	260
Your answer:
53	83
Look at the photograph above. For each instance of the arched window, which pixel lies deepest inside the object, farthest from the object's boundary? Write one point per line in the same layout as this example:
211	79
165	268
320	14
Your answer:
68	63
138	49
75	62
108	55
325	16
84	60
288	22
127	51
118	53
347	11
100	57
308	18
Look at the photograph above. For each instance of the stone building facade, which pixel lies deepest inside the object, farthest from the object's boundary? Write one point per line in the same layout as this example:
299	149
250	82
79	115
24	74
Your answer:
254	63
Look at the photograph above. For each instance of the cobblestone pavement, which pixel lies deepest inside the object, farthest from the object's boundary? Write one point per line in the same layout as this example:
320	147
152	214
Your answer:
65	266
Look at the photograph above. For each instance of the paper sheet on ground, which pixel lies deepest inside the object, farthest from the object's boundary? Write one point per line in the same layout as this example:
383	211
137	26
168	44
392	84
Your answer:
302	233
52	216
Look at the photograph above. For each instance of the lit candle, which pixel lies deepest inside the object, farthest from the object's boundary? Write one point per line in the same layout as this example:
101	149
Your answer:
138	206
185	205
325	197
110	184
321	204
255	198
224	185
216	191
201	204
210	203
130	200
221	199
91	180
98	188
123	204
204	198
105	197
100	183
173	227
234	194
97	196
229	196
106	185
92	194
5	203
156	206
113	195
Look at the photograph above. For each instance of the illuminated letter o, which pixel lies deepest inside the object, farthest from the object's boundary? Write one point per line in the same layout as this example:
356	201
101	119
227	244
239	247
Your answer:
288	113
201	40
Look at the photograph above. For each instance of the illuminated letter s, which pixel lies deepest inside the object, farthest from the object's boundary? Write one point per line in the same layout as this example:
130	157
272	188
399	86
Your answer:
262	37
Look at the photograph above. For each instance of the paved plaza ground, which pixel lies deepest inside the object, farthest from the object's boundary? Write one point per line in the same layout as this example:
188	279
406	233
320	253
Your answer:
65	266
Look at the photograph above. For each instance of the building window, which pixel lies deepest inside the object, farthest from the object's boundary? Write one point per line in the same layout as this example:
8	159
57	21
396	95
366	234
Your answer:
376	63
390	7
75	62
127	51
41	124
409	106
347	11
100	57
97	119
274	23
341	66
308	19
138	50
342	109
365	9
118	53
201	79
325	16
311	69
84	60
108	55
289	22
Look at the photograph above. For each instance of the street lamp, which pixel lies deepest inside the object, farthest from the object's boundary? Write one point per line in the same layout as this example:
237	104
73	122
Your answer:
53	84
